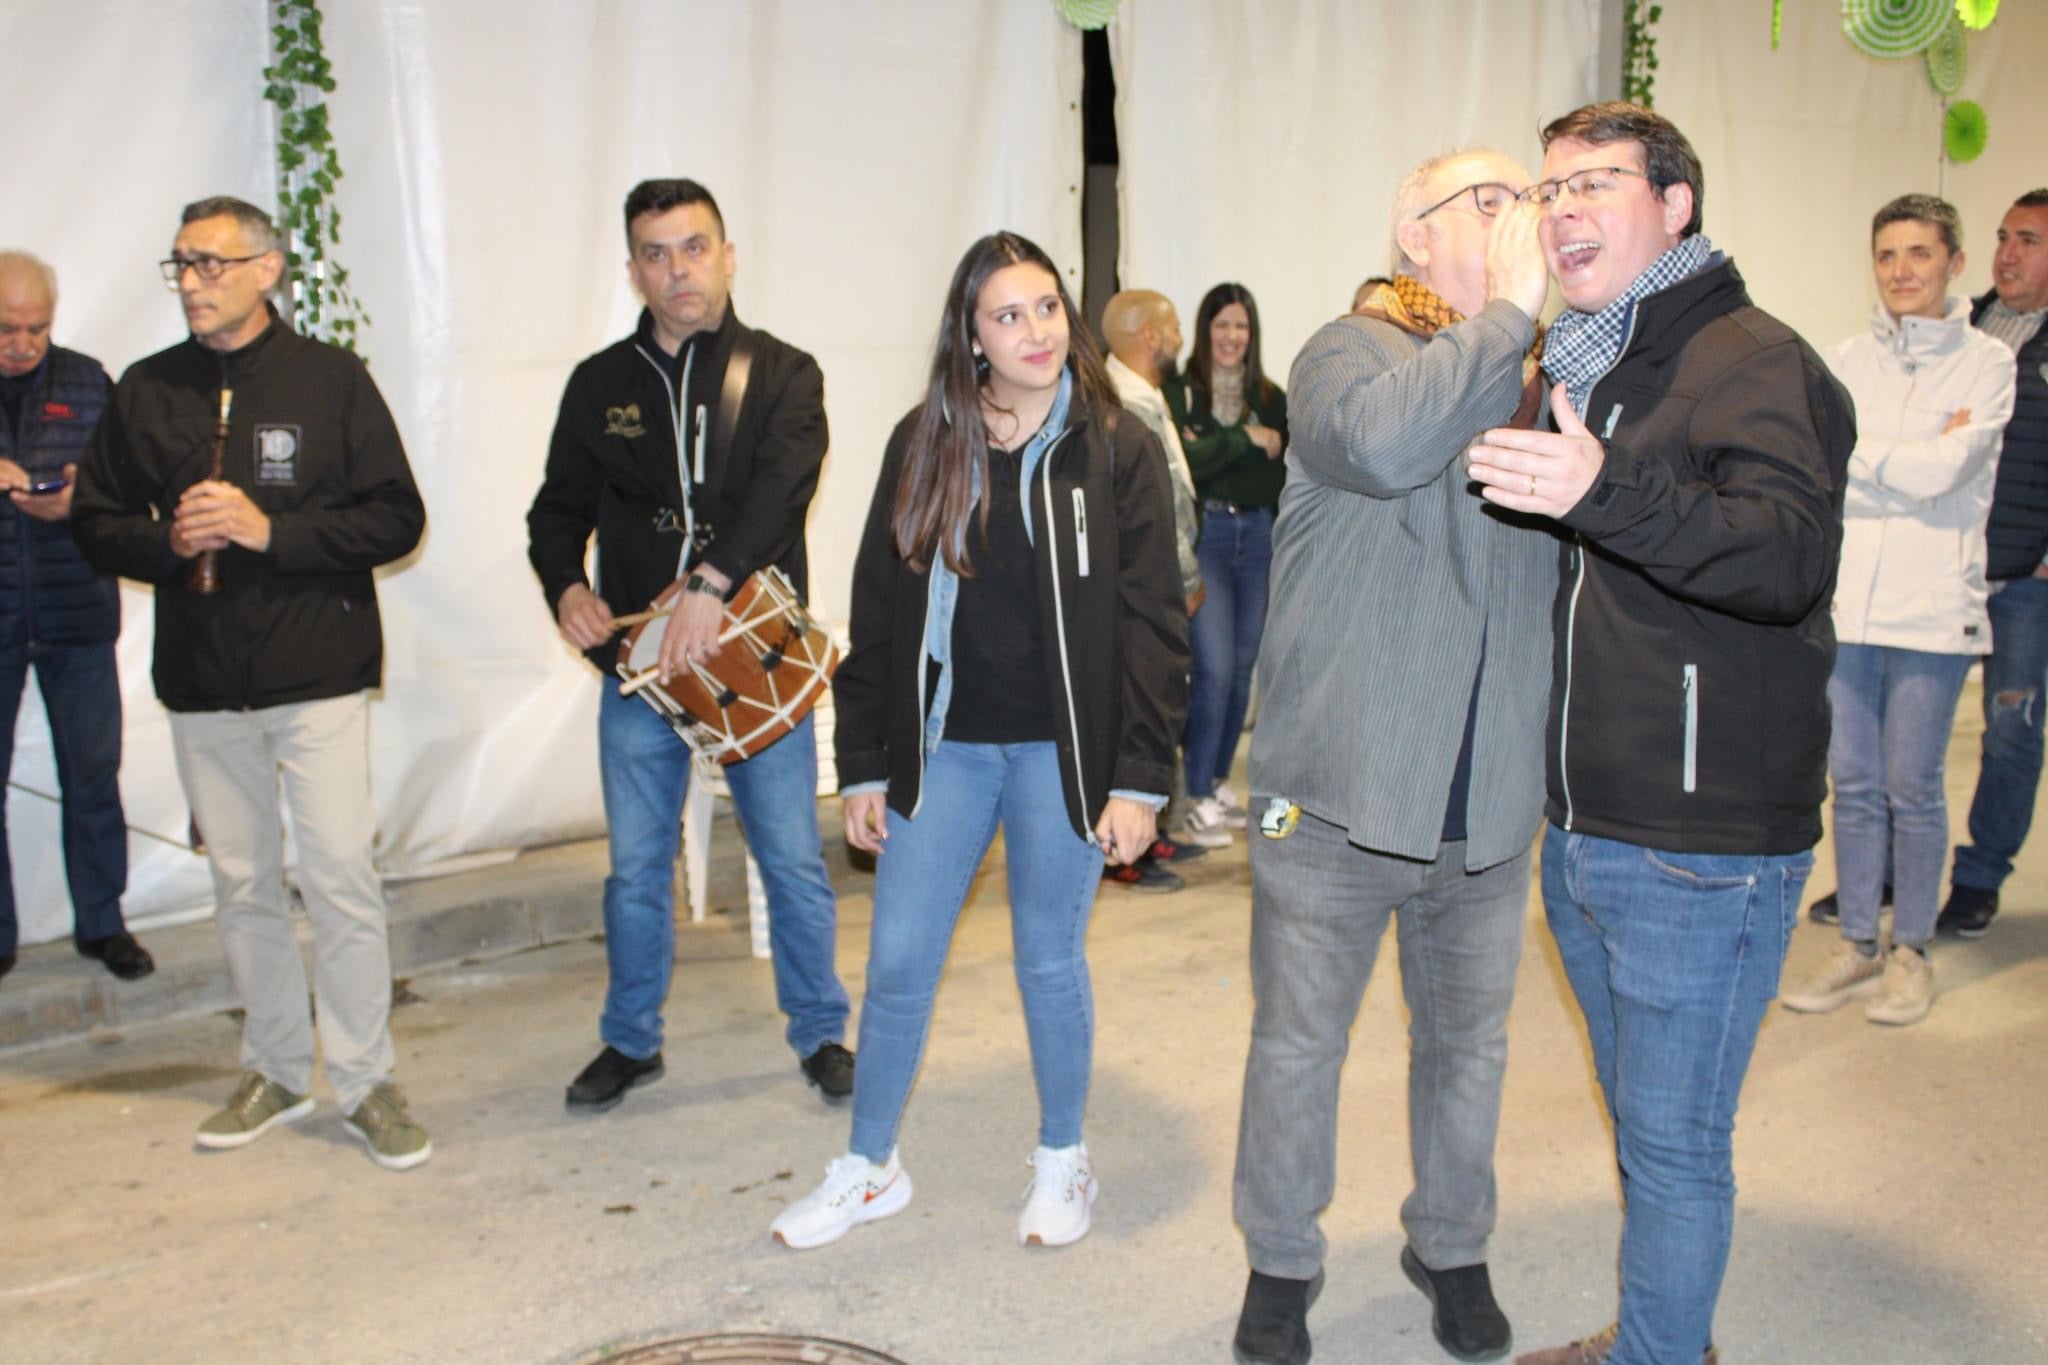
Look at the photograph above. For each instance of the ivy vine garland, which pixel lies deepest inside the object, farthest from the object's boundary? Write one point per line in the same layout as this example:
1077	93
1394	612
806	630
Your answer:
1639	51
308	167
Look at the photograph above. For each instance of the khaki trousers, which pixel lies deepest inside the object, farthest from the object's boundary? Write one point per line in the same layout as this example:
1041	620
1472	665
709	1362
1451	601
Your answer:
230	763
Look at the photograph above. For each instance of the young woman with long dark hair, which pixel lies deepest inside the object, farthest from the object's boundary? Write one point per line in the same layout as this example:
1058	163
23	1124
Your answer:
1233	427
1019	649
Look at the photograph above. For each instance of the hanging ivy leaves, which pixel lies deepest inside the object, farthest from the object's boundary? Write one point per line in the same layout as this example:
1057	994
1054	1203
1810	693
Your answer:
1639	52
308	168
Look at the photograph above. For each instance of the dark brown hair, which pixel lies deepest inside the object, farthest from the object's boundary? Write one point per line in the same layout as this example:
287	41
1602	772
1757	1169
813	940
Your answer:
948	455
1258	390
1668	158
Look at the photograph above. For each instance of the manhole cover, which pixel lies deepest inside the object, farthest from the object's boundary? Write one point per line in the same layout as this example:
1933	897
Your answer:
744	1348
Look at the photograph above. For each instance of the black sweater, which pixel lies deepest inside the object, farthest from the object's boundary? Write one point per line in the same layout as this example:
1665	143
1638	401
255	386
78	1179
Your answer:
1113	624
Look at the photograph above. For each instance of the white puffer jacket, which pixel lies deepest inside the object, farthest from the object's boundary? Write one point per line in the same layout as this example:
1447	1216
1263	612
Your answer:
1912	573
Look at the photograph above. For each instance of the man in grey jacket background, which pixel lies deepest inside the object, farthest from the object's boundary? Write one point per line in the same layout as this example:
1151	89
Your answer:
1397	768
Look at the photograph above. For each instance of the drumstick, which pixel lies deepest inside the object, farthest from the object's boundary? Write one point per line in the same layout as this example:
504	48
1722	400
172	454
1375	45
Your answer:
632	619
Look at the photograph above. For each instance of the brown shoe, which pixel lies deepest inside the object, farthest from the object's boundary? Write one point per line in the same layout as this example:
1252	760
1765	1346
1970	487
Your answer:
1594	1350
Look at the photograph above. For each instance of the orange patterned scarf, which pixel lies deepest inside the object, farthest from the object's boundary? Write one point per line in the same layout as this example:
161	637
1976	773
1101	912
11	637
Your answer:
1418	310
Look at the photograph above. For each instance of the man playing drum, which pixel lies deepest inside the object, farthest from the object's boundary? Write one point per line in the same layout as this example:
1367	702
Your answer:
692	449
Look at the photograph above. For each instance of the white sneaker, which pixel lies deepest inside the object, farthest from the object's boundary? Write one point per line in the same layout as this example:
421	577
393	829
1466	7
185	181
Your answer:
1207	820
1846	975
1908	990
855	1191
1233	809
1056	1207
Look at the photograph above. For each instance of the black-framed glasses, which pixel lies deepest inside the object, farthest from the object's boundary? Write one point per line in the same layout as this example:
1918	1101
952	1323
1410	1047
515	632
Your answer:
1593	183
1487	197
209	268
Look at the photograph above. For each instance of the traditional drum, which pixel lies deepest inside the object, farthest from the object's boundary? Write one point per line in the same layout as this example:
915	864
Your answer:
773	664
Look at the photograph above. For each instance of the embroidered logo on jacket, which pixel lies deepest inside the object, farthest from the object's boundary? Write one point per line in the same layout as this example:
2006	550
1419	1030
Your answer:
277	452
58	412
624	421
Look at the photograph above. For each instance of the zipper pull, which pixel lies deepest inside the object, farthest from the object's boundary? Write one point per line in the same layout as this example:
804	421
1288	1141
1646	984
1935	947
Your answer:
698	443
1081	532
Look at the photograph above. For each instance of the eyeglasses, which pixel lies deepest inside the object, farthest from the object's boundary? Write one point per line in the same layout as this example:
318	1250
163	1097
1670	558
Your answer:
1593	183
1487	197
208	268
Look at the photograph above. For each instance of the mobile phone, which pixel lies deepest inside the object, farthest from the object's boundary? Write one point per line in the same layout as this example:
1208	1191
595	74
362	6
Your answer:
55	484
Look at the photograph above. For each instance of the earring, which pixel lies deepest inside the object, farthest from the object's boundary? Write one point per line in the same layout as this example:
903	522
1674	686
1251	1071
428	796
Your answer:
981	366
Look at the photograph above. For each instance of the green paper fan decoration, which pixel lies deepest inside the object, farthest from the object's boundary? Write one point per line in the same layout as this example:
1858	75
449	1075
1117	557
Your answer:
1977	14
1895	28
1948	59
1964	131
1087	14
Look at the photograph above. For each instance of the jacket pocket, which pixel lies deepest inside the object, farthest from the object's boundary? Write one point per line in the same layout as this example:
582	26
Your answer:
1081	532
1692	727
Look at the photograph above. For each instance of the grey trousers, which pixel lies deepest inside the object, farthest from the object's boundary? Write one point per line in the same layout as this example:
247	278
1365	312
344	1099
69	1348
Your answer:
230	763
1320	906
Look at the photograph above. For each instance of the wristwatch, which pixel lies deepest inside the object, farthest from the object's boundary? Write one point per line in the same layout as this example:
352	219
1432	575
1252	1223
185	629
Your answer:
697	582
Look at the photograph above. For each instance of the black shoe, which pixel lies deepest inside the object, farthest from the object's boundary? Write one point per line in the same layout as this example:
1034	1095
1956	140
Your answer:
123	956
1969	912
1272	1329
1165	850
602	1084
1467	1322
1144	875
6	963
830	1068
1828	909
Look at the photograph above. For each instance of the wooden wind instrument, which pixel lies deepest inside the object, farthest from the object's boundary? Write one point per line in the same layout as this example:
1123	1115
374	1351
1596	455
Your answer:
205	575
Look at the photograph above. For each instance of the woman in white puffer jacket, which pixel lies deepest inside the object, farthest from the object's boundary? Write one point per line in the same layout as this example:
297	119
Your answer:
1932	398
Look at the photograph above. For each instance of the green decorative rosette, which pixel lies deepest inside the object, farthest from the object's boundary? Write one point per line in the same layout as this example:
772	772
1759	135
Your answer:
1964	131
1087	14
1895	28
1948	59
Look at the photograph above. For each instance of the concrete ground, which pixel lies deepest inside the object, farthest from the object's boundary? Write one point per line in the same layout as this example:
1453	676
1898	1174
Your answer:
1891	1207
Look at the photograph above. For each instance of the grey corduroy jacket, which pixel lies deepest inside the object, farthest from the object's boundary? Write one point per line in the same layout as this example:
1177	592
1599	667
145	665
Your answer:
1390	577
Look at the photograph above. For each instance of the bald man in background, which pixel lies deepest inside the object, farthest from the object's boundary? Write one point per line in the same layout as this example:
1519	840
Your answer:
58	616
1141	329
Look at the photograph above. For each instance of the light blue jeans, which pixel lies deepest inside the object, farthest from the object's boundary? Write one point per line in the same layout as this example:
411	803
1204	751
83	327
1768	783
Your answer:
1894	709
646	771
921	882
1673	958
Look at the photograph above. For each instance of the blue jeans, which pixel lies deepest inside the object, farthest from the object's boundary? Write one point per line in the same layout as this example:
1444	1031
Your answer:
82	697
646	771
1894	709
1236	552
921	883
1673	958
2011	774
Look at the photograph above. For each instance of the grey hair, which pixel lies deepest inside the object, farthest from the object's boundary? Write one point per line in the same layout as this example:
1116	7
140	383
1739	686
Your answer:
1938	214
256	226
24	260
1408	203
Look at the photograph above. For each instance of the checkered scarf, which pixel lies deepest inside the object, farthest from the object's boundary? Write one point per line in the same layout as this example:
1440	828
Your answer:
1584	346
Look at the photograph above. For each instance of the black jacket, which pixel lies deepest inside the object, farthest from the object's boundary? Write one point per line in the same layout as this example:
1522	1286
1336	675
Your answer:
48	594
1689	706
1115	626
612	469
2016	537
312	443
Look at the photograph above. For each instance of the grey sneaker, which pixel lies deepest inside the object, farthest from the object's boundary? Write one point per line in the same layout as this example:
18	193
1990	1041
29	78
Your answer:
258	1105
1846	975
1908	990
395	1139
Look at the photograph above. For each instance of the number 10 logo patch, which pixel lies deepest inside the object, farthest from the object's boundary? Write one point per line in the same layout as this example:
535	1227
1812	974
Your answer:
277	452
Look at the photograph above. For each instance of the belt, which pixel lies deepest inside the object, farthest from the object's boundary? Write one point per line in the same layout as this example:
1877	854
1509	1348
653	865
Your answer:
1234	508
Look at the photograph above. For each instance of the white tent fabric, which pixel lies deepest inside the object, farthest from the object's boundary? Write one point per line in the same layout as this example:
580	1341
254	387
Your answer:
1262	143
855	148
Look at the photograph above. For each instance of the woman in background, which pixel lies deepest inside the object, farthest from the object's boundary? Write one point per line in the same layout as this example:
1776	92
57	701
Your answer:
1019	659
1233	423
